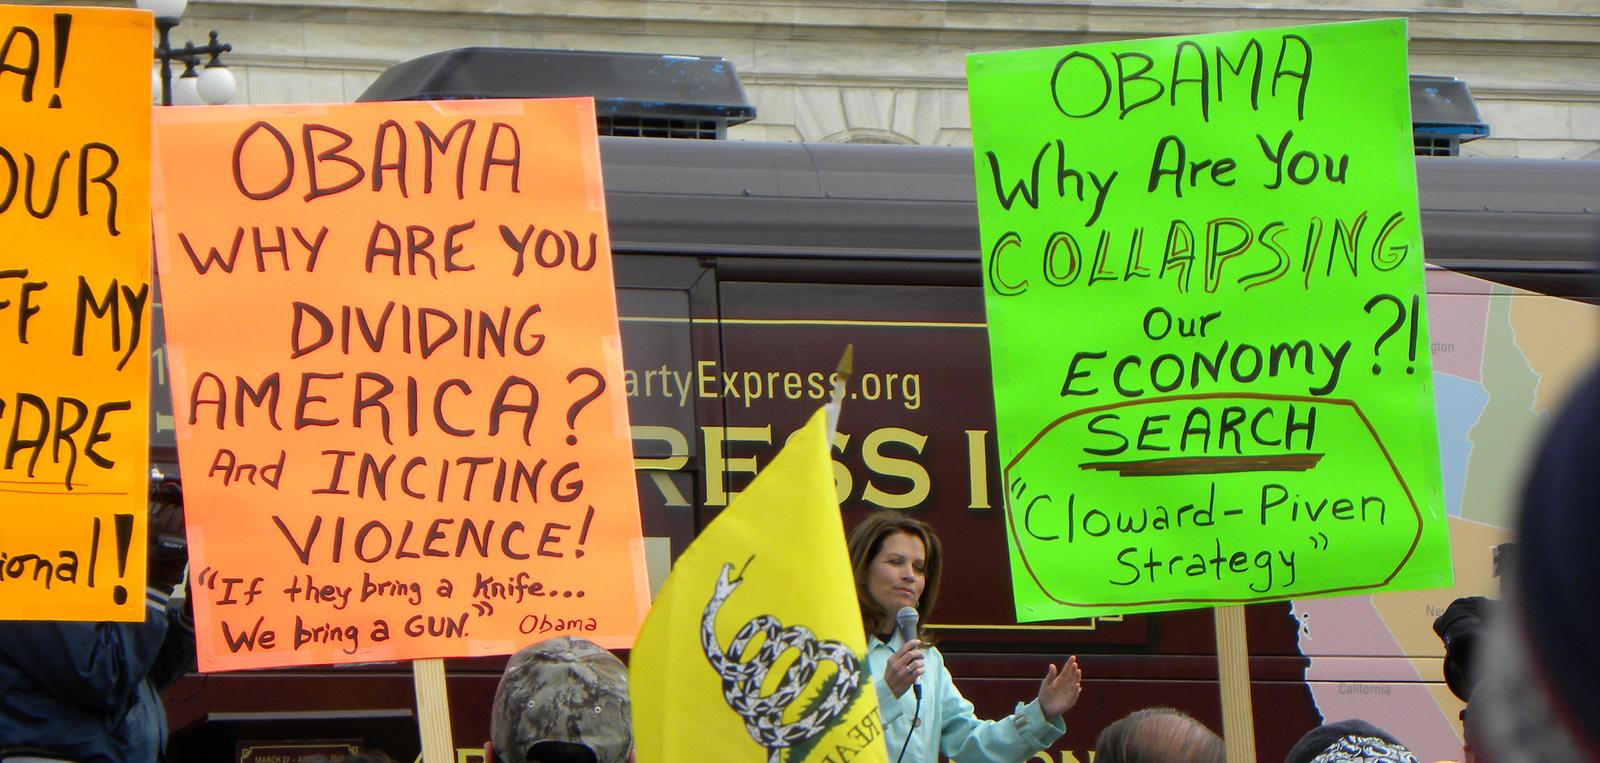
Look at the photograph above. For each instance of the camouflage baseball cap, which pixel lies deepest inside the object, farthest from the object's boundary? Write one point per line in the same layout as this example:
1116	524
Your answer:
559	694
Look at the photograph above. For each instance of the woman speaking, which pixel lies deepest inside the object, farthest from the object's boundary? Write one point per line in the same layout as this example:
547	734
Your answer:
896	560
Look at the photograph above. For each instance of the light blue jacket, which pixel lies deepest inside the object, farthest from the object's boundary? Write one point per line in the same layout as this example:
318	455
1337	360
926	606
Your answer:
946	721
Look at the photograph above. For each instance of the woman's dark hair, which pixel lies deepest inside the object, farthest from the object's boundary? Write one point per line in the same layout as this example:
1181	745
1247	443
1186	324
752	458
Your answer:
866	540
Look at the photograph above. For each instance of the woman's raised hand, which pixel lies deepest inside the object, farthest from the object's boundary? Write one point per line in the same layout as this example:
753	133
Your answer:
1060	689
905	667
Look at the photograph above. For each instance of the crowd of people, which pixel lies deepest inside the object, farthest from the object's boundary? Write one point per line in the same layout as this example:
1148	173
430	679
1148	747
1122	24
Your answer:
567	700
89	692
1527	668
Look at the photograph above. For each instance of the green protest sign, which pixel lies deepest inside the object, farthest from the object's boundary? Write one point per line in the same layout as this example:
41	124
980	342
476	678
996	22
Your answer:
1204	278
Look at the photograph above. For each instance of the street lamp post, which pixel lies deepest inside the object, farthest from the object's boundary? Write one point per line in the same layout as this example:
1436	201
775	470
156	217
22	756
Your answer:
212	84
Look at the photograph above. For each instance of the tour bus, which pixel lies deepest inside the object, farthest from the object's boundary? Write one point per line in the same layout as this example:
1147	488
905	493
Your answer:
744	269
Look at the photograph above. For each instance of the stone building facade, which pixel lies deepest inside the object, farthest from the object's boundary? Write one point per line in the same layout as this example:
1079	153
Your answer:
893	70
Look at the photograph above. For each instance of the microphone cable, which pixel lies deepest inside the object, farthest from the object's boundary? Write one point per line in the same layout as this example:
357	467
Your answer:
906	623
915	712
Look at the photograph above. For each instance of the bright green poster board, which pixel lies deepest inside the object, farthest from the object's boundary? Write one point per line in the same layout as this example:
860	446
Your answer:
1204	278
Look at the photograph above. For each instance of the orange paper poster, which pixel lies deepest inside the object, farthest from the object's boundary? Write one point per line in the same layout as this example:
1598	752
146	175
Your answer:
396	378
74	308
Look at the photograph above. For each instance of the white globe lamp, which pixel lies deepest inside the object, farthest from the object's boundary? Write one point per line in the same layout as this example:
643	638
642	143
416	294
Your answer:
164	9
216	85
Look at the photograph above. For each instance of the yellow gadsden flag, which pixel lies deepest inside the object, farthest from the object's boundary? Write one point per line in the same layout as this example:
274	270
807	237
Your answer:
755	647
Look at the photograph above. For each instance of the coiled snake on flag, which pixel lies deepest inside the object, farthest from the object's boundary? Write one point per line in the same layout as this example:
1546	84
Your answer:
742	680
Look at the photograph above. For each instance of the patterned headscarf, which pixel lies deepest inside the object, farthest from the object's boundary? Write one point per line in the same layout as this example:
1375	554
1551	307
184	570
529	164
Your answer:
1349	741
1354	749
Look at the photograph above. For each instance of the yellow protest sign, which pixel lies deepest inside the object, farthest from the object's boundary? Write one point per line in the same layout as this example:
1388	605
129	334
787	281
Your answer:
755	644
397	380
74	307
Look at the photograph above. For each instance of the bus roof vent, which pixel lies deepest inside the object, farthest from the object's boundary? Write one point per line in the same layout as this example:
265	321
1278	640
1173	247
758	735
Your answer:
635	94
1443	116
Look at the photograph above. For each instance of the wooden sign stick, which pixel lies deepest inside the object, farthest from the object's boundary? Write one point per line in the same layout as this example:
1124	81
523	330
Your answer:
433	711
1233	673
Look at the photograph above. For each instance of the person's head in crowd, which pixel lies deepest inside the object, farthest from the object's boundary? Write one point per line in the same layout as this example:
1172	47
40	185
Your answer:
897	563
1352	741
563	700
1541	664
1158	735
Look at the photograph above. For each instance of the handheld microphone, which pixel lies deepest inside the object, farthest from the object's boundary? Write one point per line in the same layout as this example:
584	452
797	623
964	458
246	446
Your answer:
906	621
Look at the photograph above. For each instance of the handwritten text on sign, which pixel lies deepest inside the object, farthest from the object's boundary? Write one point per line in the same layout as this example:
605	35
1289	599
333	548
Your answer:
74	304
396	361
1203	275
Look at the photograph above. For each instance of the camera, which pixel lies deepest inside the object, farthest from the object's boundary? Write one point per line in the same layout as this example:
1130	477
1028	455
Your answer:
168	543
1461	628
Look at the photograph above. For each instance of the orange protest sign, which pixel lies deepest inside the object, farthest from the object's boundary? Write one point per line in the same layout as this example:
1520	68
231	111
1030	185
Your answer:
74	306
396	377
